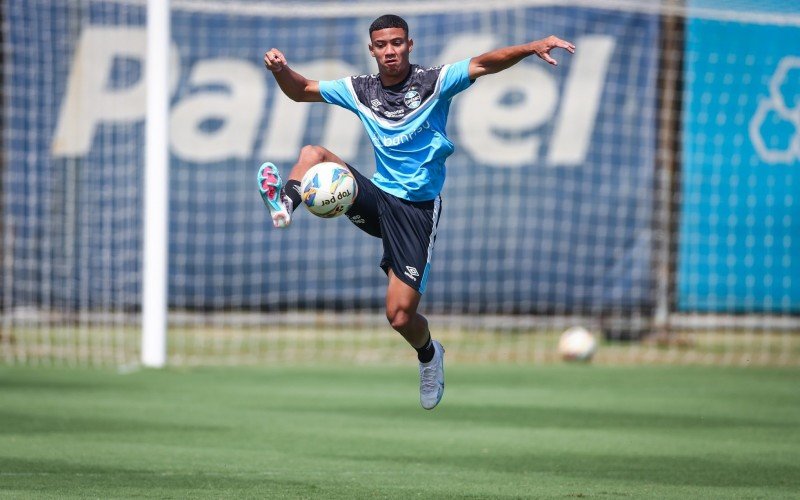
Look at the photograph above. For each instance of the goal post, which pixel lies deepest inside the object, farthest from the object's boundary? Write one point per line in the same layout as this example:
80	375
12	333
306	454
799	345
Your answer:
156	187
645	188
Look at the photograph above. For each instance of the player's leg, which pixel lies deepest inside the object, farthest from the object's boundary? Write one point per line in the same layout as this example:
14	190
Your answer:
402	302
365	212
310	156
408	230
281	199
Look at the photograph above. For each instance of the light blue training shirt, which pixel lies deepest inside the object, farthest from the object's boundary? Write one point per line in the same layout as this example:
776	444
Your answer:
406	124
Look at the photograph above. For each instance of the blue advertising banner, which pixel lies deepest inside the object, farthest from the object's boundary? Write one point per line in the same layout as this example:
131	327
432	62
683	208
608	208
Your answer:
547	205
740	222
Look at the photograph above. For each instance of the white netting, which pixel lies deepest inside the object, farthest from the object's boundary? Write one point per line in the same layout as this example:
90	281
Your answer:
646	187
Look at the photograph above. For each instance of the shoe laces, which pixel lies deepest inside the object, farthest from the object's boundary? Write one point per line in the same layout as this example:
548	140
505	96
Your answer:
428	380
287	202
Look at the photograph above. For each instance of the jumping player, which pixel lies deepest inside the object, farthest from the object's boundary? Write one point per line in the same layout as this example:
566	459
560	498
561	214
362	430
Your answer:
404	110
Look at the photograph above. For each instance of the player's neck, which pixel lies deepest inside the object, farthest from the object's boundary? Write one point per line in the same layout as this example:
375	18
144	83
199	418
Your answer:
392	80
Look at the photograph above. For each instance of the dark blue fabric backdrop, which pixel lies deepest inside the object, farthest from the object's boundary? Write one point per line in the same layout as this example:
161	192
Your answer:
523	236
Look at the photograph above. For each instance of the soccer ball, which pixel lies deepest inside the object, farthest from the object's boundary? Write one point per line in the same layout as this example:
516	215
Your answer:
328	189
577	344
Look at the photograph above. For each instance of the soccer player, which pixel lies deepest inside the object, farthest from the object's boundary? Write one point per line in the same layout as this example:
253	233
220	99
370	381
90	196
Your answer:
404	110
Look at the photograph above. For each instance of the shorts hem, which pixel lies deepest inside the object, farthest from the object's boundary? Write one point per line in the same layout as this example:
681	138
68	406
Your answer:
401	275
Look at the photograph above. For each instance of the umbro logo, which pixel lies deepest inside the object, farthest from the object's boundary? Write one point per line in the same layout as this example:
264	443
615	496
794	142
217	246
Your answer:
357	219
376	103
412	273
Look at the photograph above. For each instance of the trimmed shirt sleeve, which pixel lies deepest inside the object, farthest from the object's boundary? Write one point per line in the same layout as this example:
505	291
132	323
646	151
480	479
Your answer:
455	79
338	92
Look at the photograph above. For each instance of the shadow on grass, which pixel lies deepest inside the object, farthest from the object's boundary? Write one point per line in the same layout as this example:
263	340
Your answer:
646	469
38	423
90	480
47	384
537	418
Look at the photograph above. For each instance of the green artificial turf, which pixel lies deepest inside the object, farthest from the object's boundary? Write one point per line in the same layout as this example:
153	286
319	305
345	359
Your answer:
554	431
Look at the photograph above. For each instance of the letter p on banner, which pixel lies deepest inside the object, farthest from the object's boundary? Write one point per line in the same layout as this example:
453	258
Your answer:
90	99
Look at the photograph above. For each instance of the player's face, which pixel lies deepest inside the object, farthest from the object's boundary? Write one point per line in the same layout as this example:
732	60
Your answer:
390	48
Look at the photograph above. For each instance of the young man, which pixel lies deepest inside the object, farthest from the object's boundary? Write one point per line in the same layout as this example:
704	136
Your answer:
404	110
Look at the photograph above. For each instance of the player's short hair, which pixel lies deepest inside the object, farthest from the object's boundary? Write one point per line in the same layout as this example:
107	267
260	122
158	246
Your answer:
388	21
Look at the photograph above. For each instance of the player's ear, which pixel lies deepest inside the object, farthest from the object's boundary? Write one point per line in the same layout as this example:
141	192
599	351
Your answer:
410	44
371	50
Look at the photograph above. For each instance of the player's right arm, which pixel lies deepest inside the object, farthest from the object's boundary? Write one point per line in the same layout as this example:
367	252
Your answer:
293	84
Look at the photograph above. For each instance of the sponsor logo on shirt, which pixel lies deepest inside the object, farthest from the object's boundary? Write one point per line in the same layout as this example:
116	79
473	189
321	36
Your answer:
396	140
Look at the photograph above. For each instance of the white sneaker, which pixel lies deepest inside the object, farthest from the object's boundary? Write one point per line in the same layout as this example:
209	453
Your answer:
431	378
271	188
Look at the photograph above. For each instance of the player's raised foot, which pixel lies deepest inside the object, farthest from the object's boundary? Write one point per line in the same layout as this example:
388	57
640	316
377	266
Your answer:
431	378
271	188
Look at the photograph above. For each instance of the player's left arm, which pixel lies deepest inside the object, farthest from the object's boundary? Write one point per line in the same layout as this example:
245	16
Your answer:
500	59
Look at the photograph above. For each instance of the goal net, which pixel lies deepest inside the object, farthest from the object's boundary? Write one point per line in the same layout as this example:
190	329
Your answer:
645	188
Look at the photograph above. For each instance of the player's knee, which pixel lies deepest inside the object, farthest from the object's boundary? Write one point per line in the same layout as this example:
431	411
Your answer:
399	318
312	154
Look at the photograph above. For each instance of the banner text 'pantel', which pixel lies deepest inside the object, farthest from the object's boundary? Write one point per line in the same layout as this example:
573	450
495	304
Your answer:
491	128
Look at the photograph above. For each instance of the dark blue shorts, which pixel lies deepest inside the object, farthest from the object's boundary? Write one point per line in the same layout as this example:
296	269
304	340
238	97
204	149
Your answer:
407	228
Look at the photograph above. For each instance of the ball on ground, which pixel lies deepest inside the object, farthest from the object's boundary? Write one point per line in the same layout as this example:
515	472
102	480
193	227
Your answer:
577	344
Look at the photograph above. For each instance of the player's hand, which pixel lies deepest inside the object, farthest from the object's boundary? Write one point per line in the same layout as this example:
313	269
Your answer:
274	60
543	47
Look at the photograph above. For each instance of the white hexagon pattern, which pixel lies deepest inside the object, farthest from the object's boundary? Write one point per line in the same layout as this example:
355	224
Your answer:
775	126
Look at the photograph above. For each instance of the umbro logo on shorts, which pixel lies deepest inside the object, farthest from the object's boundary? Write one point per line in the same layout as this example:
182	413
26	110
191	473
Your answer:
357	219
412	272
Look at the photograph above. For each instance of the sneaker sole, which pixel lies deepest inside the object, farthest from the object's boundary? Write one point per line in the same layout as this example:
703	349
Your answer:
269	185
